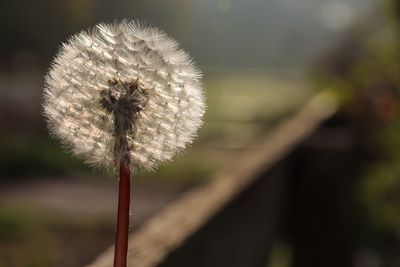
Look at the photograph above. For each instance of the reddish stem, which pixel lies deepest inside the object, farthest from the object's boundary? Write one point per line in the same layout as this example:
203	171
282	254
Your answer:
121	240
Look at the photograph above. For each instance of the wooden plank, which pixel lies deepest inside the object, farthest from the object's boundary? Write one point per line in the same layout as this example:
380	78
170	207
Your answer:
244	231
168	229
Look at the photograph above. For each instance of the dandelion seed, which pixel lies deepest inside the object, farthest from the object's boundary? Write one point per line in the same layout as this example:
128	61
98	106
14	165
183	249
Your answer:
123	95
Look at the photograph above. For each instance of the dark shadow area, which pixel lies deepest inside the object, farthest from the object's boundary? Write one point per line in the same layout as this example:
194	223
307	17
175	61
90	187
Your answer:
306	199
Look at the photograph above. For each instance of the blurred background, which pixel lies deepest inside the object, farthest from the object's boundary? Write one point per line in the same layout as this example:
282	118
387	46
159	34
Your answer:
262	60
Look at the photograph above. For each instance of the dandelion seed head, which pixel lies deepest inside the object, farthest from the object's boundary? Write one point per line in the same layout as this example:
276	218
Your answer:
124	90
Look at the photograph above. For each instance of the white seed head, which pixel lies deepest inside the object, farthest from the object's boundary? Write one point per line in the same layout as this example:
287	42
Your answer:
124	91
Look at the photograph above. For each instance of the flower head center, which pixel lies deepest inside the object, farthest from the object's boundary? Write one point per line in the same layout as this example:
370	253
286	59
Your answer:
124	100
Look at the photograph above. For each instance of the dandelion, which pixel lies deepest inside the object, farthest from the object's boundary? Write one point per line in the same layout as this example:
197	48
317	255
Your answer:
123	95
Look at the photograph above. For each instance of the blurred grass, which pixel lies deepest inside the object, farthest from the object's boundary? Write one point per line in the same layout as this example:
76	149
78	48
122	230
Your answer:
23	155
33	238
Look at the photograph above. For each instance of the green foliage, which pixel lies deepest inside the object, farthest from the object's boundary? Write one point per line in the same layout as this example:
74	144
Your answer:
368	84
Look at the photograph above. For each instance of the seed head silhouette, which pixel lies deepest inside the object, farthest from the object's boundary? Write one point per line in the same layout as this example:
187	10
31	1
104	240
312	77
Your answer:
123	92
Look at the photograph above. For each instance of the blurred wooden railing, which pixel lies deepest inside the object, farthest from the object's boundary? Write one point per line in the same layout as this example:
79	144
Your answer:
160	238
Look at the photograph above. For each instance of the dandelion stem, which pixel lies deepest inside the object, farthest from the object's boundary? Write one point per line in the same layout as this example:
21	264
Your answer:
121	240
